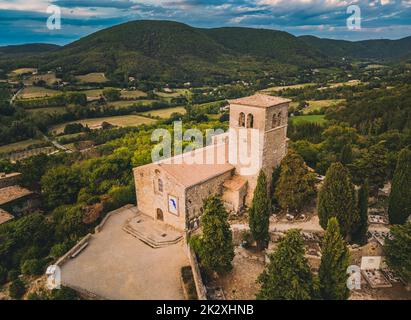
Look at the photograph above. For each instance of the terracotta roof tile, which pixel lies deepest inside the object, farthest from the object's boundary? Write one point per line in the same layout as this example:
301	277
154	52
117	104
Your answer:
260	100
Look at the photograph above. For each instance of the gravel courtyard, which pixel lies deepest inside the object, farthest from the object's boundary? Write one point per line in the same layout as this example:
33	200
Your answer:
117	266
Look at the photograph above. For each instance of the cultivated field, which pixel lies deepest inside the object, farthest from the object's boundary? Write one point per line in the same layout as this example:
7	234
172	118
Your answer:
164	113
33	92
50	110
121	121
21	145
92	78
124	103
132	94
279	88
21	71
49	78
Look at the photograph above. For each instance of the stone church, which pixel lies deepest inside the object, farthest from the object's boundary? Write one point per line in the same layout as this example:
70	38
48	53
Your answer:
173	191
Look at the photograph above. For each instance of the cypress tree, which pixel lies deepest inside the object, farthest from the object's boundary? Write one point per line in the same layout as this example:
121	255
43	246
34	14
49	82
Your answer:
296	184
399	205
216	248
288	275
259	212
334	263
337	199
360	234
274	180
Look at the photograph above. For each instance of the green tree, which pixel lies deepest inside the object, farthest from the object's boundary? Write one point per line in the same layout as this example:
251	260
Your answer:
3	275
398	250
112	94
32	267
372	165
399	205
360	234
274	180
259	212
215	247
17	289
288	275
296	184
60	185
337	199
346	155
334	263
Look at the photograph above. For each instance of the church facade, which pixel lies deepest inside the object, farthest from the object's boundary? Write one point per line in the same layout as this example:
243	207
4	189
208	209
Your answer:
173	191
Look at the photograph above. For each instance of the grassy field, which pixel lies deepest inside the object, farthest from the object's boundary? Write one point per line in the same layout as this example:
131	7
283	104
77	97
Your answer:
21	71
58	110
314	105
125	103
350	83
164	113
279	88
33	92
49	78
133	94
96	77
121	121
19	145
314	118
176	93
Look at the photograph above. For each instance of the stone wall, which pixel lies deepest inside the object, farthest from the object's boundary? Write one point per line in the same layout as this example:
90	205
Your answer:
9	180
150	199
196	195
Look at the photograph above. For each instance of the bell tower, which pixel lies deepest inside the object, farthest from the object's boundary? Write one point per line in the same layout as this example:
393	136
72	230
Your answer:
258	133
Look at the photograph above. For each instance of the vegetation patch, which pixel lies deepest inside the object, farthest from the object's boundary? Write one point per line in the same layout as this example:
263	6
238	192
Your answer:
95	77
120	121
320	119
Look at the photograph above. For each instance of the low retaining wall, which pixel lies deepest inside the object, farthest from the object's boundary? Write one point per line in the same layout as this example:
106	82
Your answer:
69	253
103	222
198	280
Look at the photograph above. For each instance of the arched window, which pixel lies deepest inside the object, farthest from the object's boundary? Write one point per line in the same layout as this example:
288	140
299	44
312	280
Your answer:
250	121
241	120
274	121
160	185
280	118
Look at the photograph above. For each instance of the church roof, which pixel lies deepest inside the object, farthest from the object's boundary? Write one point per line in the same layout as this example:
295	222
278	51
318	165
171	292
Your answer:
260	100
197	166
192	174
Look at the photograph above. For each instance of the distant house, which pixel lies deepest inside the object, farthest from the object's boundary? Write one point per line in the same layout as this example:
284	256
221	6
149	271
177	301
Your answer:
5	216
15	200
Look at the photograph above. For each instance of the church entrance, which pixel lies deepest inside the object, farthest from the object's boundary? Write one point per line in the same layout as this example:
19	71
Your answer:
160	215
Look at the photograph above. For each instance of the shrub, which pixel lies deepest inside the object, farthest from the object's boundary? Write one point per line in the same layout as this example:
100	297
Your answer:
17	289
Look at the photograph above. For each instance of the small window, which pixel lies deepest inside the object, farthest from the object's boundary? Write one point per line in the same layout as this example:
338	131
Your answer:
250	121
160	185
241	120
280	119
274	121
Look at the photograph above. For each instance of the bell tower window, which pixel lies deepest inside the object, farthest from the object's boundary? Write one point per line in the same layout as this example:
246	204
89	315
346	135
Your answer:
250	121
241	120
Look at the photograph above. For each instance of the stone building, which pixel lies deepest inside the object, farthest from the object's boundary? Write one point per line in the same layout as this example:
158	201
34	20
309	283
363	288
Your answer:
173	190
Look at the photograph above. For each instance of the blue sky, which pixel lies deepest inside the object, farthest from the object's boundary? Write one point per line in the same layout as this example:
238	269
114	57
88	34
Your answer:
24	21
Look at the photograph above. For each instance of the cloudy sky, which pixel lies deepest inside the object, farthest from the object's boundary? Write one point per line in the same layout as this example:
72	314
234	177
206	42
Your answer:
24	21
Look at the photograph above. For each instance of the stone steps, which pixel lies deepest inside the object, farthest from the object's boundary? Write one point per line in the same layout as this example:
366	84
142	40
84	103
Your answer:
147	240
